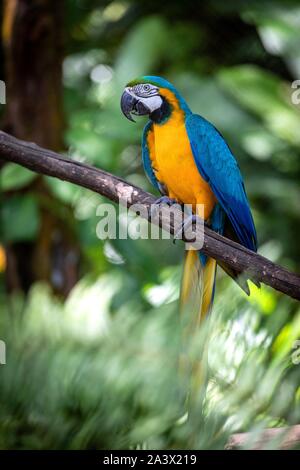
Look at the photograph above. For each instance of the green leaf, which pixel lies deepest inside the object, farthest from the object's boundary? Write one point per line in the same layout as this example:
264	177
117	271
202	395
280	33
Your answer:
14	176
64	191
19	218
265	95
144	46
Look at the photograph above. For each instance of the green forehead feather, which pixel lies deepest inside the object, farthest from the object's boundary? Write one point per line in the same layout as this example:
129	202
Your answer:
137	81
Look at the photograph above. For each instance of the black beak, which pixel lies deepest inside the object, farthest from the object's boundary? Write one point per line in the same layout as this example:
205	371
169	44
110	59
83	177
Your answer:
130	104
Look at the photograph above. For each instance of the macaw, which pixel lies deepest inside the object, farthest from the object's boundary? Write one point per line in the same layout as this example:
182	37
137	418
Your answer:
188	161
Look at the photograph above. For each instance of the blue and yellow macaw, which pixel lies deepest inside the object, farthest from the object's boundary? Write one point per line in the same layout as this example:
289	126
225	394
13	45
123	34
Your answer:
188	161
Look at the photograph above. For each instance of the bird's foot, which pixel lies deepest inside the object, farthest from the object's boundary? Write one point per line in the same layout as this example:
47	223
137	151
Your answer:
159	202
165	200
187	224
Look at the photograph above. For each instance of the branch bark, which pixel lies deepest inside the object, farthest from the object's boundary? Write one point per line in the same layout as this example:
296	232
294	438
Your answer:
222	249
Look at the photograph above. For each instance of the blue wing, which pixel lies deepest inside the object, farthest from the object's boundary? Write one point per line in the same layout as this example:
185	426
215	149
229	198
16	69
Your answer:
219	168
146	157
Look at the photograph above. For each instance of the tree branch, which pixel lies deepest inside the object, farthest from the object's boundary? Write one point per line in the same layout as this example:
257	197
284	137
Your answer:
222	249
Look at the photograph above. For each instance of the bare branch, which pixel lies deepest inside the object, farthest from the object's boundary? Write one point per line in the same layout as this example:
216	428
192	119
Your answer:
222	249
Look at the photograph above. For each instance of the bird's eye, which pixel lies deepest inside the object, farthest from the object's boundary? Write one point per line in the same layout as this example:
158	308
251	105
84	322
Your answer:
146	87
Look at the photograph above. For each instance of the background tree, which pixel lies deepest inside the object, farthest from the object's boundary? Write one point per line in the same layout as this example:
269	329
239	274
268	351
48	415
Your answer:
33	48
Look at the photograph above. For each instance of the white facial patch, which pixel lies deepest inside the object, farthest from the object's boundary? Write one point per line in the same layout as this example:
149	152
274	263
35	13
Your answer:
150	97
152	103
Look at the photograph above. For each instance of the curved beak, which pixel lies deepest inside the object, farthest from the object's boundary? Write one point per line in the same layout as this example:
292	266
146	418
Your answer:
130	104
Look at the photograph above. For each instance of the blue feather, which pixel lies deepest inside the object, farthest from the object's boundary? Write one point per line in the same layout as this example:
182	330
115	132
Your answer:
219	168
146	157
163	83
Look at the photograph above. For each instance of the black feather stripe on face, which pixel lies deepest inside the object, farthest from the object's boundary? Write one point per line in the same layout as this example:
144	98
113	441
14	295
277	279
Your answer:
161	114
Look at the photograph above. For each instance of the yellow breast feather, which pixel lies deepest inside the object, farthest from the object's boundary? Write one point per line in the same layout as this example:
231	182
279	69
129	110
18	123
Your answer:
173	162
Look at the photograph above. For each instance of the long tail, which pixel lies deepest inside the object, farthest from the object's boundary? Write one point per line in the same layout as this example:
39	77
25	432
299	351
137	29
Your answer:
196	298
198	285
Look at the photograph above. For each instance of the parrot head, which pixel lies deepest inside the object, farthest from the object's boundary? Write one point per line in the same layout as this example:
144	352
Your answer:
152	96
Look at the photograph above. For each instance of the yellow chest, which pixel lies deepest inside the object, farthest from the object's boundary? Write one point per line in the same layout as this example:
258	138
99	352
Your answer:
176	168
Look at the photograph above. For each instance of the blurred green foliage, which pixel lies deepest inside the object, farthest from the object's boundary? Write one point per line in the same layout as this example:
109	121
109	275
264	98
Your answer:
100	369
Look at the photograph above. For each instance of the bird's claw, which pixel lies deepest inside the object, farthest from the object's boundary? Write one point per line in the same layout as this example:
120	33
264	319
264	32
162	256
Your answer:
160	201
165	200
187	223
